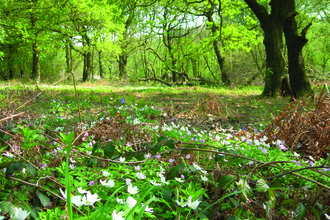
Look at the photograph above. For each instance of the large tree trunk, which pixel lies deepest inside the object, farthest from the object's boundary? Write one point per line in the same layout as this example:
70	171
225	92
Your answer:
299	82
36	63
68	58
273	33
122	64
100	64
87	66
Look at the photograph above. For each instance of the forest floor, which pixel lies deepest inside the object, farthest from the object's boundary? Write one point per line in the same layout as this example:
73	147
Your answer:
206	112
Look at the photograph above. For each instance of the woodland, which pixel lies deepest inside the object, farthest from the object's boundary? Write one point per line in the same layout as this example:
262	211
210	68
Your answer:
164	109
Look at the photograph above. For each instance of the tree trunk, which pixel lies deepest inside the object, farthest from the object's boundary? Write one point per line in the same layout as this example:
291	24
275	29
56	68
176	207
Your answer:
36	63
11	62
122	64
87	66
273	41
100	64
299	82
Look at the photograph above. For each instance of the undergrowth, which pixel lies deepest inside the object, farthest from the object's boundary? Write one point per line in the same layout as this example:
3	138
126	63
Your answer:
171	155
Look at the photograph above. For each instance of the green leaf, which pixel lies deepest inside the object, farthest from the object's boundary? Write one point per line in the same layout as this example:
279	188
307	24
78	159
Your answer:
170	144
287	202
261	186
45	201
93	161
108	151
12	167
226	180
5	207
300	211
161	138
316	213
95	148
218	157
157	148
31	169
167	194
234	201
175	170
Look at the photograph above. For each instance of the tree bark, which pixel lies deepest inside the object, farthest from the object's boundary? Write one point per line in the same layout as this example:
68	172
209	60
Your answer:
100	64
299	82
87	68
123	64
273	41
36	63
221	60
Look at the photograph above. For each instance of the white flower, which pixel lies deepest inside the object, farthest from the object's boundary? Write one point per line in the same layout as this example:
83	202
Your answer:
63	193
132	190
204	171
116	216
76	200
178	179
256	142
105	173
8	154
72	166
204	178
155	183
162	179
90	199
81	191
110	183
140	176
193	205
19	214
121	159
23	170
130	202
197	167
128	181
119	201
182	203
147	209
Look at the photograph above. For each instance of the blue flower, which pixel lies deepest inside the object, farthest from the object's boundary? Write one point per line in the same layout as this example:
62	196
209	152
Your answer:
122	101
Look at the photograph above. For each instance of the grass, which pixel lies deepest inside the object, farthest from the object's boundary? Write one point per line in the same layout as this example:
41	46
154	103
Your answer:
187	152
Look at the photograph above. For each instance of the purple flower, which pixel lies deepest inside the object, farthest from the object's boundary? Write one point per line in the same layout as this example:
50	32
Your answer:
326	169
196	139
90	144
44	166
260	148
122	101
202	141
251	163
282	147
128	144
86	134
158	156
91	183
72	166
171	160
147	156
93	142
109	140
83	139
137	168
264	151
182	177
188	156
311	163
188	133
54	143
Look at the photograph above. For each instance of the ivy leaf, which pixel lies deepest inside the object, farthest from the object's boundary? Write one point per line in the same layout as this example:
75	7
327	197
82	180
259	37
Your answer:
261	186
226	180
108	151
44	200
95	148
157	148
12	167
175	170
170	144
31	169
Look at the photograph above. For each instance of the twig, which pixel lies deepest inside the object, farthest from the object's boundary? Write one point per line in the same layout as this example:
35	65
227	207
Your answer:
75	91
40	187
41	92
12	116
